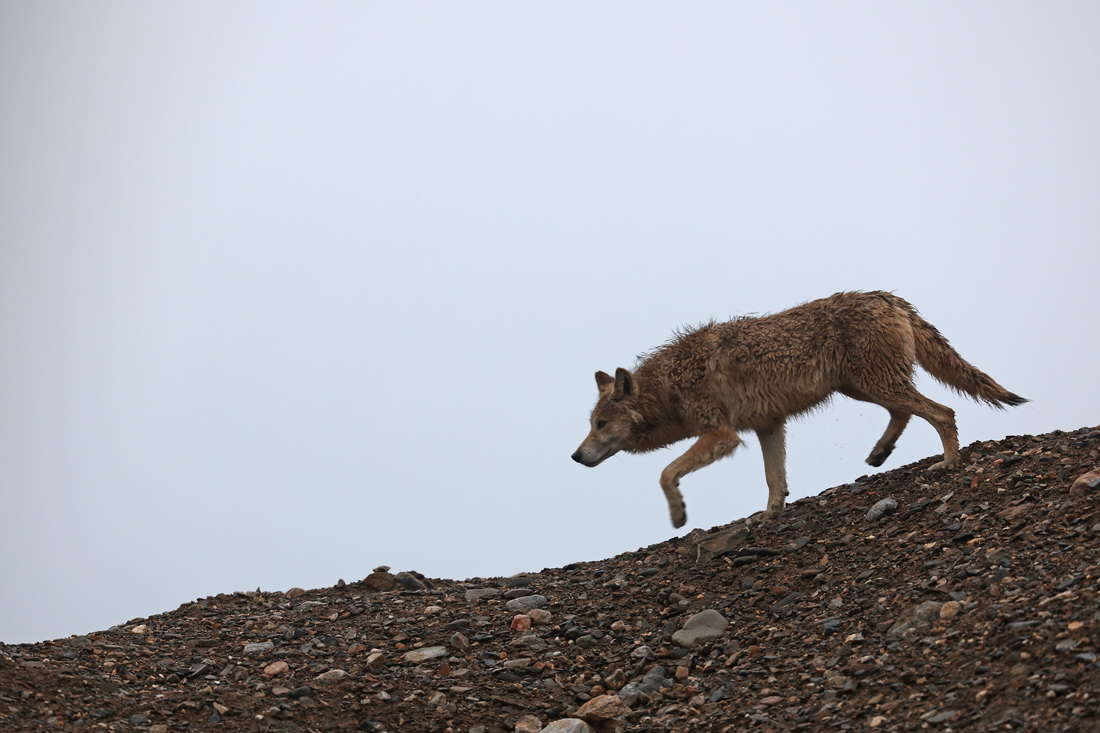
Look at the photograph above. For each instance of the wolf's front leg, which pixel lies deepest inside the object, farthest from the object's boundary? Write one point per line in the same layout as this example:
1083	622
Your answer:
676	509
773	445
706	450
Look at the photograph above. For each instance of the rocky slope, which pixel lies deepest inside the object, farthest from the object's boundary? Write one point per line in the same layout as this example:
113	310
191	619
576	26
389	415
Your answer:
968	601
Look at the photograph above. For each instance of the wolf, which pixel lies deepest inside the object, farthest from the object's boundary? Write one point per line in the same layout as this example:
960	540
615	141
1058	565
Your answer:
752	373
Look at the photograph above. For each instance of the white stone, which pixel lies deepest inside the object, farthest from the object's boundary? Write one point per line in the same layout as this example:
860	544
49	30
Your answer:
702	627
568	725
425	653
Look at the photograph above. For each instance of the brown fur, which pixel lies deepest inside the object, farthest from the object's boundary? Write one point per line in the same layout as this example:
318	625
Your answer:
753	373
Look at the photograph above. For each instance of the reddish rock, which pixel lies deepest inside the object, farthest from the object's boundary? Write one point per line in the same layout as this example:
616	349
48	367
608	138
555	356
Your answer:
1087	482
380	581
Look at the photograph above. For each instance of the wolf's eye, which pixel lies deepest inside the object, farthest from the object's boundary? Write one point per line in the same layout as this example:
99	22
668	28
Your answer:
601	423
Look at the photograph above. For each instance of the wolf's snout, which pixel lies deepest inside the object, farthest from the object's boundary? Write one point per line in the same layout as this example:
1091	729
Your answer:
585	458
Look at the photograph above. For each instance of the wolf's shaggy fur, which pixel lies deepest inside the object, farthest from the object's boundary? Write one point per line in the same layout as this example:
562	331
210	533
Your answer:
754	373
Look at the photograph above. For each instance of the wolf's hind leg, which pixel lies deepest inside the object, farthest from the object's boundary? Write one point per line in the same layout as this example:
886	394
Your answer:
885	445
942	418
903	400
705	451
773	446
898	420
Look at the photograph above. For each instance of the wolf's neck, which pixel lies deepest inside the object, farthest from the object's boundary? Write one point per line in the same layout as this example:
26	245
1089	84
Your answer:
657	424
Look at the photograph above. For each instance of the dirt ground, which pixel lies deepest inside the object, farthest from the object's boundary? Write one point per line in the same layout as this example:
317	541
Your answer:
970	604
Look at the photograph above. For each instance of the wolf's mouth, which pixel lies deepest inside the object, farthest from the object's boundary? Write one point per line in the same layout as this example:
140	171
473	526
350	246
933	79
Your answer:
579	457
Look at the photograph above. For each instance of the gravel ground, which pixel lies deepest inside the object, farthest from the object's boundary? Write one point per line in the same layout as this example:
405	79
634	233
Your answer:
909	600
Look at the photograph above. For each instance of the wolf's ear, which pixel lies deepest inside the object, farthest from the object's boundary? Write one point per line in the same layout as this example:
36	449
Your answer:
624	384
604	380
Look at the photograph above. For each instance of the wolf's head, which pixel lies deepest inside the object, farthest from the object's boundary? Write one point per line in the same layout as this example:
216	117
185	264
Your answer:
612	418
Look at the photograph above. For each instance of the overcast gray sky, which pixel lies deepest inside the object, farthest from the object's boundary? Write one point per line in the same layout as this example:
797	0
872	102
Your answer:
292	290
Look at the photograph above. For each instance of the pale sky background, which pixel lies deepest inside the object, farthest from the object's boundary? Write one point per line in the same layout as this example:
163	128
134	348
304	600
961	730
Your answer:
292	290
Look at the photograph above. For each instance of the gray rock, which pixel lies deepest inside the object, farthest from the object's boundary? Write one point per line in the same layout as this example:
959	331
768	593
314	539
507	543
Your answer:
332	674
889	505
615	679
425	653
518	581
1023	624
568	725
80	642
788	599
798	544
259	647
702	627
939	716
532	642
586	642
719	693
630	694
460	642
720	543
411	581
918	618
526	602
653	681
477	594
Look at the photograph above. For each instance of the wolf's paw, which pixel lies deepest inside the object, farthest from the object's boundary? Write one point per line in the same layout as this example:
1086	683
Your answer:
879	457
762	518
942	465
679	516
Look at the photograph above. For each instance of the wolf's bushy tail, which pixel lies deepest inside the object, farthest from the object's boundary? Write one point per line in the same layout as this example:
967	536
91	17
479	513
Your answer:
940	359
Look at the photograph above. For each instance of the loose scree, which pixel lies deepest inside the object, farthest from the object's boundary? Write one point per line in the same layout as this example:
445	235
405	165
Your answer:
753	373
